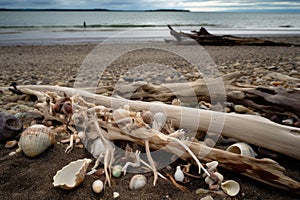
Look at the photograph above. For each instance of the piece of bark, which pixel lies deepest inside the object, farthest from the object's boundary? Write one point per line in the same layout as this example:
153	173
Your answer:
248	128
203	37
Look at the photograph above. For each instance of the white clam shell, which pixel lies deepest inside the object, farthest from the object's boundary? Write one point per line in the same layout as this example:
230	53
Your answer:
230	187
137	181
97	186
72	174
36	139
242	149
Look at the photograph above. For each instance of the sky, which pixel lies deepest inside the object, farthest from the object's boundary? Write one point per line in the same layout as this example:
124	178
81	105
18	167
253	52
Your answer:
192	5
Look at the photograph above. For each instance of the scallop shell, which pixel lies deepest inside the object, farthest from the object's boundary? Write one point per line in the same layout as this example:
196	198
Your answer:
71	175
242	149
230	187
36	139
97	186
137	181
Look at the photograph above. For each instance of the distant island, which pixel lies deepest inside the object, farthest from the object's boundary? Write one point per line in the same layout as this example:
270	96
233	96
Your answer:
96	9
167	10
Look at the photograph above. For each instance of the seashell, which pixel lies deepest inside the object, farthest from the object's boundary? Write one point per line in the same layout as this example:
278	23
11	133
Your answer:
179	175
97	186
147	117
116	195
208	197
242	149
11	144
120	114
137	181
71	175
63	105
117	171
202	191
230	187
10	126
159	120
212	166
36	139
176	102
214	180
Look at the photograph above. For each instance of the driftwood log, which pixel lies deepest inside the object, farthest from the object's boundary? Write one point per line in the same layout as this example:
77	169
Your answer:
276	103
203	37
252	129
248	128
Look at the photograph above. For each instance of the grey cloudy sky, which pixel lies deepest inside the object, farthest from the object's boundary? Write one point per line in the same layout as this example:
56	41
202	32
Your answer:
193	5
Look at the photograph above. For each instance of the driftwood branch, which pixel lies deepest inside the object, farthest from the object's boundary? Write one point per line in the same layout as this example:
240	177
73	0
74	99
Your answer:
249	128
264	170
203	37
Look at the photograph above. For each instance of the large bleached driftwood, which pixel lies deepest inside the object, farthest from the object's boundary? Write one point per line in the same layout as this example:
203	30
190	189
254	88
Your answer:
264	170
248	128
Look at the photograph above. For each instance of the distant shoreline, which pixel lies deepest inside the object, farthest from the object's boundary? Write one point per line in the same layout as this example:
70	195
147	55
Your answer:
93	10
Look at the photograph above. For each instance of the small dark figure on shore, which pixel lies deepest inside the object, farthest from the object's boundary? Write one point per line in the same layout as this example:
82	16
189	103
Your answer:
84	24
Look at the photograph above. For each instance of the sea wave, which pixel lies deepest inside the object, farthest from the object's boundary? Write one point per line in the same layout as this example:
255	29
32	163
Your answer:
109	26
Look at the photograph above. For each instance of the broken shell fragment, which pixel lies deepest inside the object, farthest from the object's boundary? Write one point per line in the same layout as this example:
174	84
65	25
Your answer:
71	175
117	171
97	186
36	139
230	187
242	149
137	181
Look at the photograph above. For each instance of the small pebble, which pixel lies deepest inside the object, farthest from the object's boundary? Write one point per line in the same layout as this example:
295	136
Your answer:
241	109
11	144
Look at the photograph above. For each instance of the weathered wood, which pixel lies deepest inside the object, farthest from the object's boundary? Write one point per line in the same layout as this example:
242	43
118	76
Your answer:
251	129
264	170
203	37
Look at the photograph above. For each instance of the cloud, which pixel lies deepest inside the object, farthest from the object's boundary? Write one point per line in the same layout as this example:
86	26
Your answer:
193	5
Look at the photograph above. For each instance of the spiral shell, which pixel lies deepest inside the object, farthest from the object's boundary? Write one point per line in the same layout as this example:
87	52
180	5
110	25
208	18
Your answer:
10	126
36	139
71	175
242	149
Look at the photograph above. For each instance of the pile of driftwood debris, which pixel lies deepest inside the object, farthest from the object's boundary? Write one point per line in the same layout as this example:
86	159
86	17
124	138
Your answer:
203	37
251	129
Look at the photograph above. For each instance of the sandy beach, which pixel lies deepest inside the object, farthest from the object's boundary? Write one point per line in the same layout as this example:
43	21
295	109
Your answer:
25	178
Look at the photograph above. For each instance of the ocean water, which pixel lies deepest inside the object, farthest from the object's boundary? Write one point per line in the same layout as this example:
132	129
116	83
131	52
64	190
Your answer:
67	26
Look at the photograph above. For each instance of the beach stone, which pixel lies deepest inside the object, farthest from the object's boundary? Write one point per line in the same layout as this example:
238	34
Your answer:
241	109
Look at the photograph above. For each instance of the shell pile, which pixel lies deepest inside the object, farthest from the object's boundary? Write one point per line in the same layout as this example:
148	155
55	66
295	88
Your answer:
36	139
